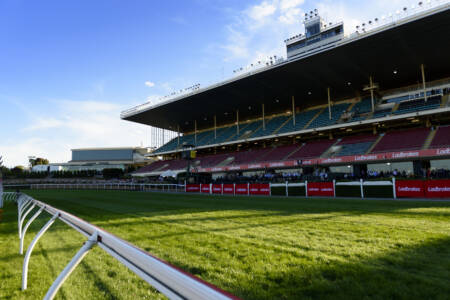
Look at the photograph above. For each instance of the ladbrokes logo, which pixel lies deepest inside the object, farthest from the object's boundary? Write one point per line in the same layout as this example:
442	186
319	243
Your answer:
445	151
409	189
438	189
405	154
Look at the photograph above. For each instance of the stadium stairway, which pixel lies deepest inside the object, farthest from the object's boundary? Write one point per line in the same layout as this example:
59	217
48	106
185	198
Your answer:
429	139
329	151
319	112
374	144
441	138
289	119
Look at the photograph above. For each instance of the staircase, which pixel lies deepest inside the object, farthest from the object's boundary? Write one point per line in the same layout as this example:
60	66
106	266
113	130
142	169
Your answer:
374	144
327	153
313	118
395	107
282	125
429	139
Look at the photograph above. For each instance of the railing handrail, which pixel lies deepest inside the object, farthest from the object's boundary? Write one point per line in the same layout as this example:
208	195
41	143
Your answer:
168	279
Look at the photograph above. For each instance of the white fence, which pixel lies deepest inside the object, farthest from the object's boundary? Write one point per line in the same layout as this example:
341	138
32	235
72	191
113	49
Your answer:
169	280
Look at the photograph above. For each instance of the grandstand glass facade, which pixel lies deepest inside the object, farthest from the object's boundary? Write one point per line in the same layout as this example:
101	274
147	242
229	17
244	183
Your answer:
102	155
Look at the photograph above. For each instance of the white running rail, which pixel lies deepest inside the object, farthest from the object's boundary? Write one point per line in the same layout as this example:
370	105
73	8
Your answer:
167	279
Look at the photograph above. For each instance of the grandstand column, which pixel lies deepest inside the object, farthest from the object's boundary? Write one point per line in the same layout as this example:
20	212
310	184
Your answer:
422	69
329	102
371	93
263	117
178	135
237	121
215	127
293	110
195	132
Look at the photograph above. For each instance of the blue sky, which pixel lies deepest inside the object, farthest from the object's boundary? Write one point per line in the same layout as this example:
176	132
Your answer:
69	67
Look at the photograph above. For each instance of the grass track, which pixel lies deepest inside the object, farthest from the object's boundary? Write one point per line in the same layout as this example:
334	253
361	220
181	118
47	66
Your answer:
254	247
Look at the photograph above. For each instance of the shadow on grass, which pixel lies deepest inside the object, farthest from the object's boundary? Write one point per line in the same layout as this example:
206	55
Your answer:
420	272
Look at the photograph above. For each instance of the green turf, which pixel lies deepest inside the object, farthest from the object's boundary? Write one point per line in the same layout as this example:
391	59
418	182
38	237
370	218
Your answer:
253	247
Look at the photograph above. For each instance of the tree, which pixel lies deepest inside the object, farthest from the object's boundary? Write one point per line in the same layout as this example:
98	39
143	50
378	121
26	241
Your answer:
38	161
18	169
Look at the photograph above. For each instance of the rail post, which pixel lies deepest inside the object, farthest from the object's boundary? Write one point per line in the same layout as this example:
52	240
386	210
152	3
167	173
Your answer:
394	192
24	231
306	188
362	188
26	259
91	242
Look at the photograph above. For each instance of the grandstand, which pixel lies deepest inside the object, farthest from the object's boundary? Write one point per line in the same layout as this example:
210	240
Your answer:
337	102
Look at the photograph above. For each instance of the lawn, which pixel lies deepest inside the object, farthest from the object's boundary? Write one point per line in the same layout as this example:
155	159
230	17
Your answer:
253	247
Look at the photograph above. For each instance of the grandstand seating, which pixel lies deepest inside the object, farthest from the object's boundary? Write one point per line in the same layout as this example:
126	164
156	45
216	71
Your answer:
418	105
324	120
380	113
250	156
412	139
442	138
312	149
355	145
360	109
301	119
211	160
249	128
271	125
278	153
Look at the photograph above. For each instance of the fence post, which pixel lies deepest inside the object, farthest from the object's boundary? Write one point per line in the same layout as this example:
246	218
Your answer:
234	188
287	189
270	188
24	231
26	260
91	242
362	188
222	188
248	189
394	191
306	188
334	187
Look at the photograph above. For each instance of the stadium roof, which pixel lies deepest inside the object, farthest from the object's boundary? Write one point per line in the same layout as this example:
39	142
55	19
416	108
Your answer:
345	69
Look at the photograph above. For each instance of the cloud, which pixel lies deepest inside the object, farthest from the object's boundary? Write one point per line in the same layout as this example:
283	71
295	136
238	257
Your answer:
73	124
258	31
149	83
261	11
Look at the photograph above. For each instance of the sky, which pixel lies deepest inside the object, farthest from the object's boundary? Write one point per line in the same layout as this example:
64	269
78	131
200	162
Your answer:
68	68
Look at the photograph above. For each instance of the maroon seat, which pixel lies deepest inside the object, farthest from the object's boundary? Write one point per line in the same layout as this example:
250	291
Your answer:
411	139
442	138
312	149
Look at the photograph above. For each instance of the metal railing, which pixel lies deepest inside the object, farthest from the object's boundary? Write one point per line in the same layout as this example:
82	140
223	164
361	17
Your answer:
7	197
167	279
166	187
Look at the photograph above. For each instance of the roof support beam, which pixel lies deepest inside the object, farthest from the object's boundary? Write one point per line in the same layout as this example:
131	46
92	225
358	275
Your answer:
293	110
195	132
263	117
371	92
329	102
422	69
237	121
215	126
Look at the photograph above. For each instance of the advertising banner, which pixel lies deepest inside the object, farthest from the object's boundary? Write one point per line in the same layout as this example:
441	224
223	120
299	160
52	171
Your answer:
217	189
324	189
205	188
241	189
193	188
437	188
228	189
260	189
410	188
